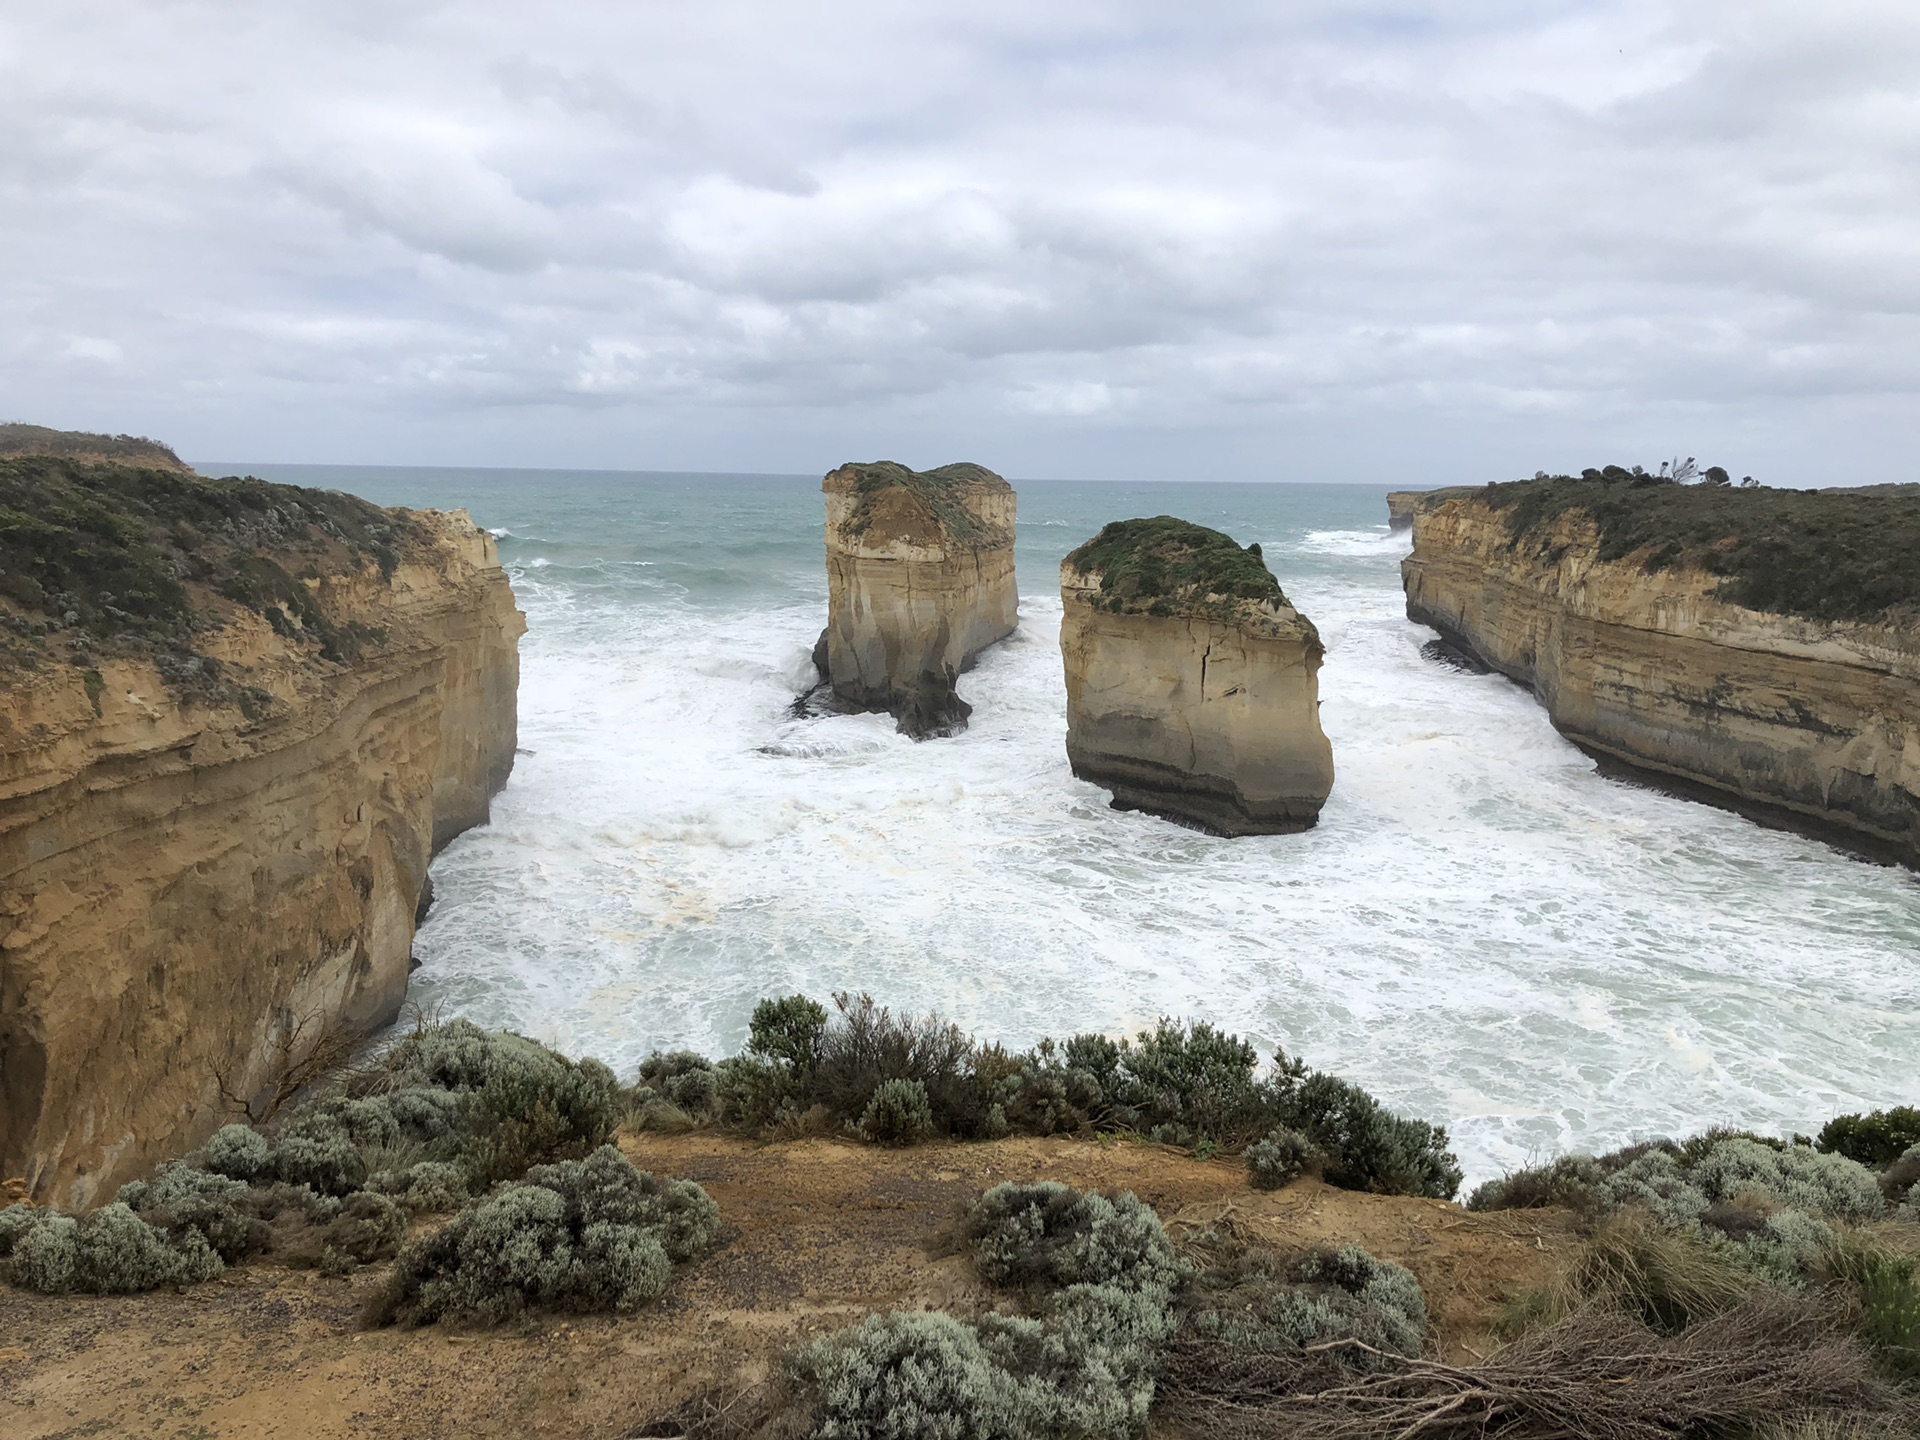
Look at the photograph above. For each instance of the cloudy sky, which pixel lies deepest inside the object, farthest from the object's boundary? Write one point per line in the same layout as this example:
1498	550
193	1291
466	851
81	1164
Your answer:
1422	242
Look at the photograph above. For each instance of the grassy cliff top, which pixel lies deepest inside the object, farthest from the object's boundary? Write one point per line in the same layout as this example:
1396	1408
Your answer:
16	439
121	559
1166	563
943	493
1823	554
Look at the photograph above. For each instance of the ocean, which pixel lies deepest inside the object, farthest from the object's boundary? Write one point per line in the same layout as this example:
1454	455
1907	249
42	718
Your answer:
1482	930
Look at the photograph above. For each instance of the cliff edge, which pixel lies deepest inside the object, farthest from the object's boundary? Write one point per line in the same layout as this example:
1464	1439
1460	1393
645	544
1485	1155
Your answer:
236	720
1192	683
1403	505
920	576
1756	648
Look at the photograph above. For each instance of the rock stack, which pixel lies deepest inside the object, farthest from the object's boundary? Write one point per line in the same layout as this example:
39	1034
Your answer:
1192	687
920	573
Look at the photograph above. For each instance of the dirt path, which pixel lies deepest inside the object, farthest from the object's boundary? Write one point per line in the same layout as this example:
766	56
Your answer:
817	1234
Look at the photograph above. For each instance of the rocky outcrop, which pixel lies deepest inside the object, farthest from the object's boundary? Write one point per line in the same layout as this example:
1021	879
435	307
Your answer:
215	823
1403	505
1192	683
1643	661
920	577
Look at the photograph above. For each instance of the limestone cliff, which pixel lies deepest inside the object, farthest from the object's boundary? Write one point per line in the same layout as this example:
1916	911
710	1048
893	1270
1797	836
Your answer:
1753	648
1402	505
236	720
920	577
1192	683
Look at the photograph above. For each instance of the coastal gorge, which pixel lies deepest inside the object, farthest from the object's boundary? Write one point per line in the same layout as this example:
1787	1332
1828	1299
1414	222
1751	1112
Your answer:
1756	648
921	580
238	720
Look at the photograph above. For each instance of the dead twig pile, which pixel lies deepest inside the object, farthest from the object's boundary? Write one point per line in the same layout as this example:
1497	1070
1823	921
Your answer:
1593	1376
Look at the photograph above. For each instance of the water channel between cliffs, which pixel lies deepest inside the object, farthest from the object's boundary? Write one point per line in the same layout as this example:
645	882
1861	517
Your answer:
1482	929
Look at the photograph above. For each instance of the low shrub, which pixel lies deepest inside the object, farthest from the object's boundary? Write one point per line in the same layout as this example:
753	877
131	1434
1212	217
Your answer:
1876	1140
1898	1180
898	1114
109	1252
1256	1301
916	1376
581	1235
369	1227
1367	1147
1281	1158
238	1152
1048	1236
1100	1272
424	1188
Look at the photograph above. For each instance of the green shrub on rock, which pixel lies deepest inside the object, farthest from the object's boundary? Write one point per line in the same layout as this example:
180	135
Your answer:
582	1235
898	1114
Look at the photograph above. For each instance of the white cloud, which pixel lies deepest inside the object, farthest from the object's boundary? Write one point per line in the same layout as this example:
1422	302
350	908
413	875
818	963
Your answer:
1477	237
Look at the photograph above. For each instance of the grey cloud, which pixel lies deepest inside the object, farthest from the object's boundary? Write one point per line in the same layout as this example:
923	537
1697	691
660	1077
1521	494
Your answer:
1058	229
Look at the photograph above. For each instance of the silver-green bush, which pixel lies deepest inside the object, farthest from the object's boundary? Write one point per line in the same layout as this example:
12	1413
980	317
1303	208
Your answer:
582	1235
1281	1158
898	1114
239	1152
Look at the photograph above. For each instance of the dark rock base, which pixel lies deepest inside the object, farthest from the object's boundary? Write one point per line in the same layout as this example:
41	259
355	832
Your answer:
1200	802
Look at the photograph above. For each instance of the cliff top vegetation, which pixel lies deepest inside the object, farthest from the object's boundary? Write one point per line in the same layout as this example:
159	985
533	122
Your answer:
123	559
1159	564
1824	554
945	494
18	439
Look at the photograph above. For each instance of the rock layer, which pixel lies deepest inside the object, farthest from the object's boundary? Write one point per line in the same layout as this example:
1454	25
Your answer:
1402	505
1813	724
921	580
1191	696
196	886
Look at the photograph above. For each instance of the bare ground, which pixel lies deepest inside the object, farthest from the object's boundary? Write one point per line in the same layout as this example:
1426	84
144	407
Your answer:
817	1234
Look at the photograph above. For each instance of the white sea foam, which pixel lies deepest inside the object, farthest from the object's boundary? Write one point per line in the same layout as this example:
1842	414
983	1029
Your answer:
1481	929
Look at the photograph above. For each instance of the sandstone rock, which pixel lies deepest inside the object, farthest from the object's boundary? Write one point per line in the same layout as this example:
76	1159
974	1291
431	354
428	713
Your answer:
201	879
920	570
1192	684
1402	505
1808	723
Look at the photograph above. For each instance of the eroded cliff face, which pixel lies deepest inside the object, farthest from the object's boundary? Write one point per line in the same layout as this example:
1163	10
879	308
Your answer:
921	580
195	887
1808	723
1207	713
1403	505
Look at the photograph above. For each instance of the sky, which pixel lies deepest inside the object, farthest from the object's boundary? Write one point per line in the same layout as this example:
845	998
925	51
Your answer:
1410	244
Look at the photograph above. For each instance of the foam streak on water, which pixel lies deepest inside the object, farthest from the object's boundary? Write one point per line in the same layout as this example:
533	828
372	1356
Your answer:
1481	929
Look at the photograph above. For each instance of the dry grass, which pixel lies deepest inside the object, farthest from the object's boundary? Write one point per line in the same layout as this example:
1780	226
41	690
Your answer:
1593	1376
1632	1264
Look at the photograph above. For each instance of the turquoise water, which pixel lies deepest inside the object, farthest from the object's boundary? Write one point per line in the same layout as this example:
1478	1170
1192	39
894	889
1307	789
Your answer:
1482	929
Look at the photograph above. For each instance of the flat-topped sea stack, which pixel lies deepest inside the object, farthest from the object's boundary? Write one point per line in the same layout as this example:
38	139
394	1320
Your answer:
920	575
1192	684
1753	647
236	721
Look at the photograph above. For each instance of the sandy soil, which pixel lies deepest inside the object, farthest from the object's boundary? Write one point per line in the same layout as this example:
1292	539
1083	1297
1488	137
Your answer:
818	1233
